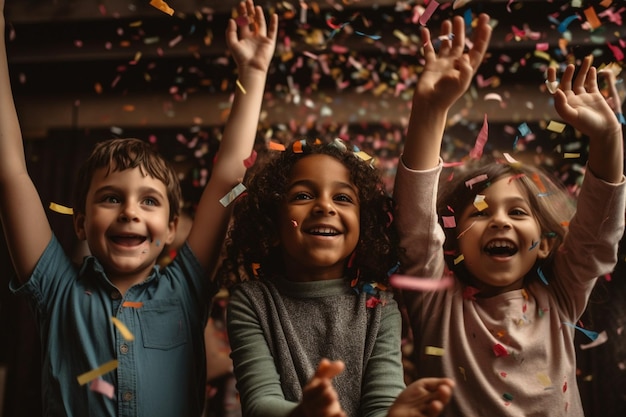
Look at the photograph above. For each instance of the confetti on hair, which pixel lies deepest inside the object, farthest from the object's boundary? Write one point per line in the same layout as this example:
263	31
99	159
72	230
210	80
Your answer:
232	194
600	339
126	334
516	177
240	86
449	222
589	333
433	351
249	161
479	178
97	372
61	209
406	282
511	161
297	146
542	276
537	180
480	203
481	140
162	6
275	146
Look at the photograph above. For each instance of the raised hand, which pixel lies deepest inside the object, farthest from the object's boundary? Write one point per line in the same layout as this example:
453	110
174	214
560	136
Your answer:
447	74
425	397
580	102
319	398
254	46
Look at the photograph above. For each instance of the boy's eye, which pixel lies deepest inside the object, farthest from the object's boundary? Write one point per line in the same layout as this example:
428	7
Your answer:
477	213
518	212
150	202
110	199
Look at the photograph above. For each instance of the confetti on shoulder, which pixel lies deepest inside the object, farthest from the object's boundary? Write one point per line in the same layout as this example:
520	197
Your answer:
406	282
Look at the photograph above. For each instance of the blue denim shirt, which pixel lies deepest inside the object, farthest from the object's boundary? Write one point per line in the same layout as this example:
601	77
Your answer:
160	373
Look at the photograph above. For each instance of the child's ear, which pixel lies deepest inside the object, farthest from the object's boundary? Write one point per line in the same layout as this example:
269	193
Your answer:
79	226
545	247
171	231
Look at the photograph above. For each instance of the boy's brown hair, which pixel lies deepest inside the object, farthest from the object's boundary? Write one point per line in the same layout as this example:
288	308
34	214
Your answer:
122	154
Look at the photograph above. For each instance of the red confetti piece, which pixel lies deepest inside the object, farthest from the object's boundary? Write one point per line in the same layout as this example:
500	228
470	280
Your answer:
500	350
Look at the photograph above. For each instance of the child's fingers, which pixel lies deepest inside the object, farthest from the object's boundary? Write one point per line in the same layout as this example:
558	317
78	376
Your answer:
566	78
458	33
480	41
444	35
328	369
582	76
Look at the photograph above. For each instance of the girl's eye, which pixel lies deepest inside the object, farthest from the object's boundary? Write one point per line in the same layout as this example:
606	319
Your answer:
302	196
344	198
477	213
518	212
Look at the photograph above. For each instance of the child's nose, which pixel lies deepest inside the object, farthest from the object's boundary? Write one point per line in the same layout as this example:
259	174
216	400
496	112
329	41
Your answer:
325	206
127	214
500	221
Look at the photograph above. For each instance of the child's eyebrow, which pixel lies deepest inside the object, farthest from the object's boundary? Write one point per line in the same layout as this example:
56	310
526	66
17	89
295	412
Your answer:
312	184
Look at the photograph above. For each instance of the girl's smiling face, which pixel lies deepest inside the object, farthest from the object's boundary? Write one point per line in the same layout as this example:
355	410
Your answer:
501	243
319	219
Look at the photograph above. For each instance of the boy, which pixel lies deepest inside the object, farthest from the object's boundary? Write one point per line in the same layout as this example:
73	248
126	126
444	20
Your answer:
126	210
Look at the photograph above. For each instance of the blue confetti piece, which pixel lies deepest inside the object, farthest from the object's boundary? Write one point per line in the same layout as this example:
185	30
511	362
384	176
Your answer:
534	245
524	129
393	269
620	117
589	333
565	23
542	276
374	37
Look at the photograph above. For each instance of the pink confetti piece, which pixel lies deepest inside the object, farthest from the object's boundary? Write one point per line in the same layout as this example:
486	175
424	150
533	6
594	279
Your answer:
249	161
479	178
481	140
406	282
430	9
448	222
101	386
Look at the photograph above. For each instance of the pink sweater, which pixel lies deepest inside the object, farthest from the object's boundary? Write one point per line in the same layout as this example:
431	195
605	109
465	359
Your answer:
511	354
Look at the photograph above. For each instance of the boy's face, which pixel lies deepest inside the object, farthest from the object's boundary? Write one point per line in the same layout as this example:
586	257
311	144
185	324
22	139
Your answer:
126	223
319	222
500	243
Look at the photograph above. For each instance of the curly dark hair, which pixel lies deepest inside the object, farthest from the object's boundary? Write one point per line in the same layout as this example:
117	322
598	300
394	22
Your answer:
253	238
550	202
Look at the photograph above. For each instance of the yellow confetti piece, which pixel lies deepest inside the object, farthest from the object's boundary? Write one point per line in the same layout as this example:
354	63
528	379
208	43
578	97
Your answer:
544	379
363	155
434	351
95	373
162	6
479	202
61	209
555	126
543	55
571	155
459	259
126	334
243	90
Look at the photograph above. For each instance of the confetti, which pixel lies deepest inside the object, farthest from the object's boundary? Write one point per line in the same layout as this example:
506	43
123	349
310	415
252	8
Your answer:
420	284
126	334
103	387
555	126
162	6
480	203
433	351
232	194
600	339
479	178
61	209
97	372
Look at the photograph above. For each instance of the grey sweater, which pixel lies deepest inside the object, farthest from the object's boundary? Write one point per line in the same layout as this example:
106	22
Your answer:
279	331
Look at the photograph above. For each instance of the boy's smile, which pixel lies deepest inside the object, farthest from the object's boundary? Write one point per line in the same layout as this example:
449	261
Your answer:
126	223
500	243
319	220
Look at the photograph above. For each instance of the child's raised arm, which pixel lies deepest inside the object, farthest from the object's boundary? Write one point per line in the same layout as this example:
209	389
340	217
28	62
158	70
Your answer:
23	217
252	50
447	75
581	104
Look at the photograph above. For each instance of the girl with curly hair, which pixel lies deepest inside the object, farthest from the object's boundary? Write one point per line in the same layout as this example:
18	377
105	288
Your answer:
313	326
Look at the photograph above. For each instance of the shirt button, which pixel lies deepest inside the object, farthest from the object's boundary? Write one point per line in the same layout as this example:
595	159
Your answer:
128	396
124	349
116	295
